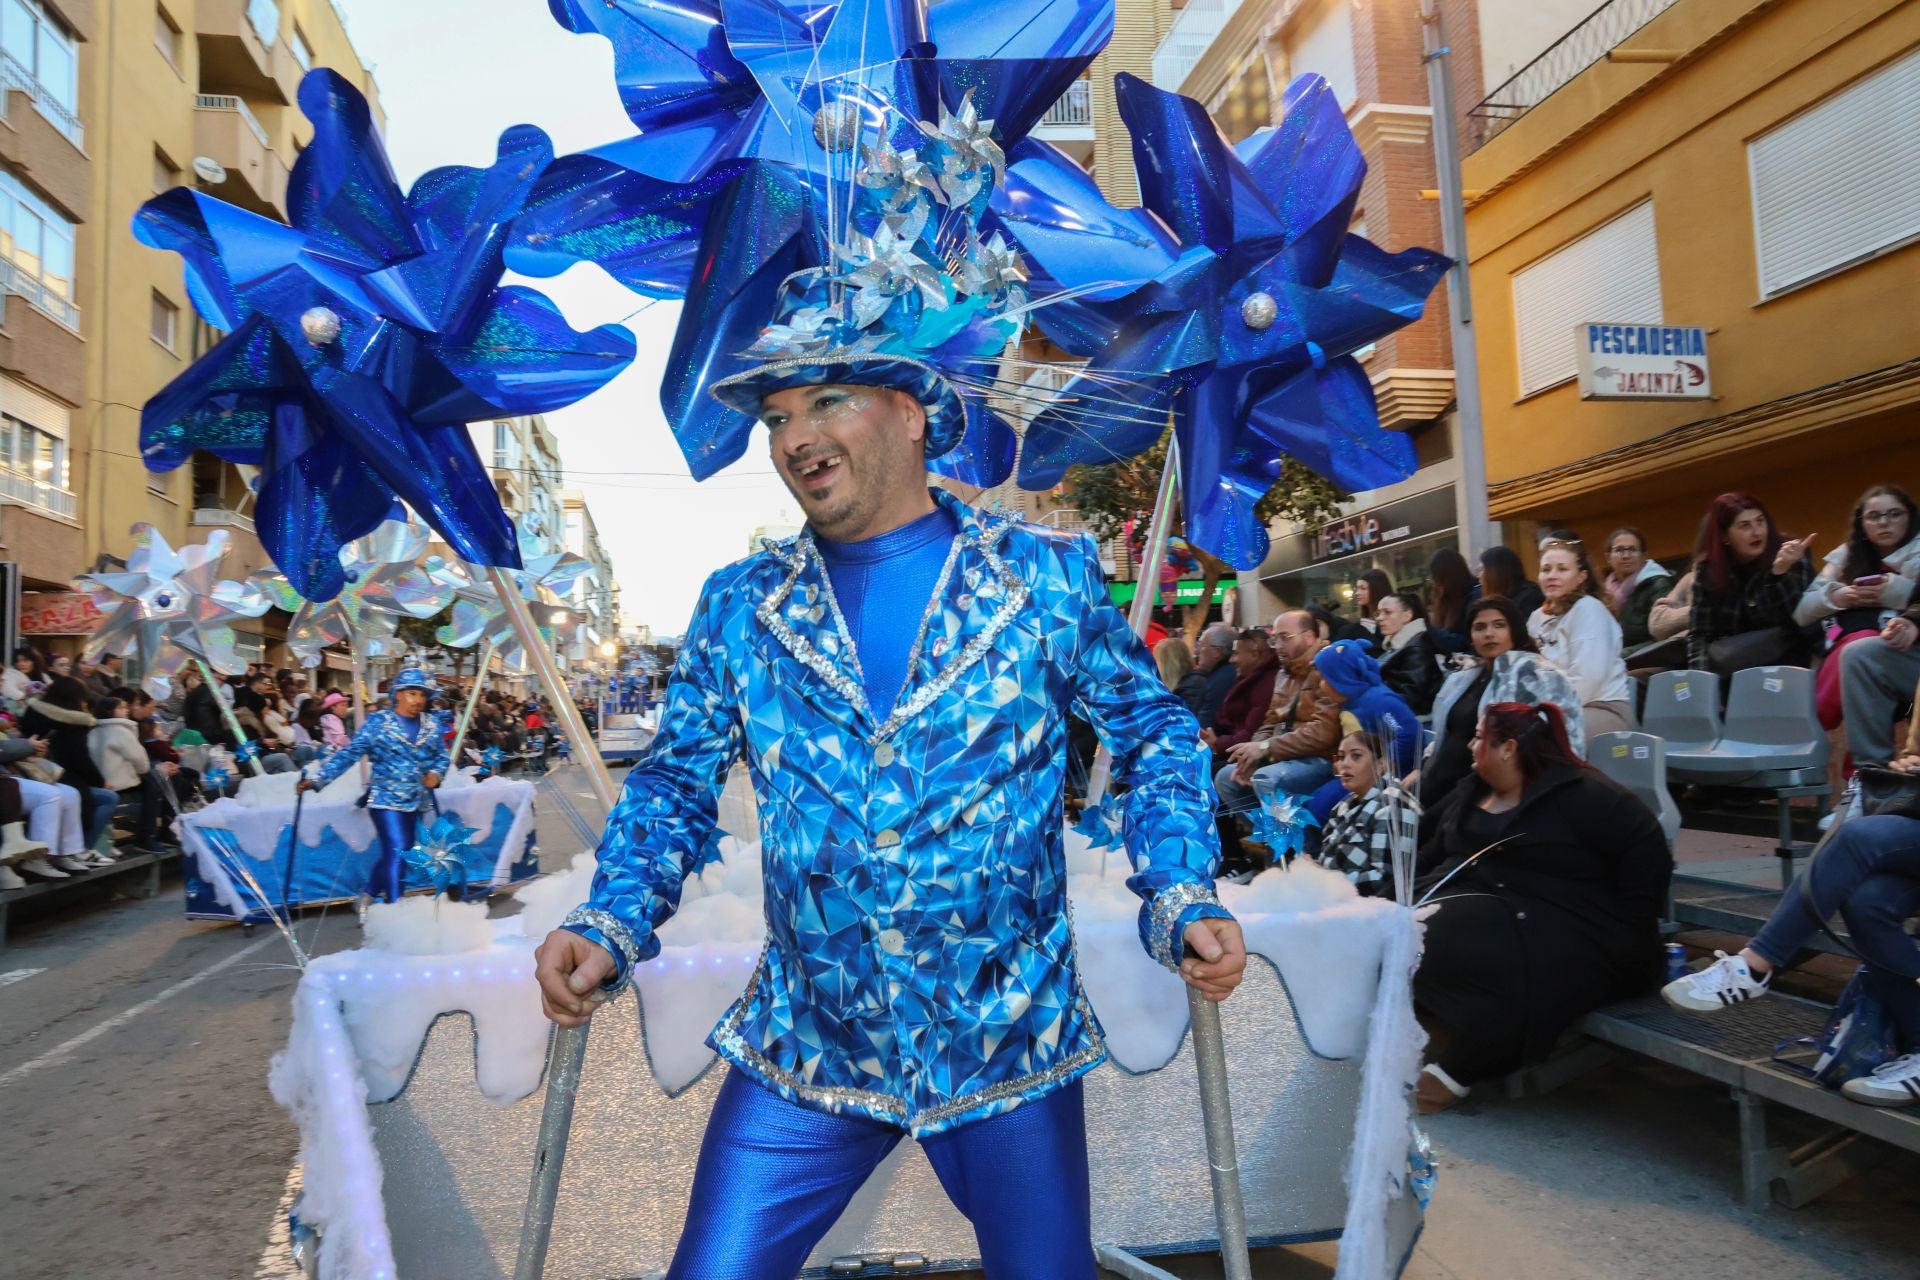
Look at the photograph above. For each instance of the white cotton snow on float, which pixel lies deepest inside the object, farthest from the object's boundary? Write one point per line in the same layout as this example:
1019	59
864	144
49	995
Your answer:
544	902
276	790
427	926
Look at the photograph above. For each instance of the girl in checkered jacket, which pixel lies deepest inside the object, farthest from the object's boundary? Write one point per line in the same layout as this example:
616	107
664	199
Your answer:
1360	832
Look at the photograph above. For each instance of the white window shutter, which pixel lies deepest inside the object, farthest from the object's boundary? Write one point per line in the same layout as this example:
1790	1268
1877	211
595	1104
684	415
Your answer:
1840	182
1611	274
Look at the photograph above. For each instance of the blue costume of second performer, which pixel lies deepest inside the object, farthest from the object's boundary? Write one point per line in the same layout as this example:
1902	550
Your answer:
405	751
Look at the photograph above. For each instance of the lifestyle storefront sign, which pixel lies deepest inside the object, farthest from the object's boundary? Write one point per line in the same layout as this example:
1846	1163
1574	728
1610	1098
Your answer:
1643	362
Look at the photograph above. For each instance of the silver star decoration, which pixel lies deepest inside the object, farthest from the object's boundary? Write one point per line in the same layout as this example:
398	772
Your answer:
991	266
903	175
890	267
966	144
478	613
808	330
167	608
385	583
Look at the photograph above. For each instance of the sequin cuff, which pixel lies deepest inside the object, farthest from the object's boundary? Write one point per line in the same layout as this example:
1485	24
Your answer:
602	928
1167	918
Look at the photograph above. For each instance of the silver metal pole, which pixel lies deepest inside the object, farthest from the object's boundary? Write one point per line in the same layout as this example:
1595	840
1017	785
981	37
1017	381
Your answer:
568	1052
1216	1111
473	701
565	1058
1146	592
226	709
1470	494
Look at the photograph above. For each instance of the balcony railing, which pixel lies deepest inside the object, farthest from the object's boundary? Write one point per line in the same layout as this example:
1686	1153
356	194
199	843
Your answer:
1600	32
1188	39
37	295
227	102
14	75
27	491
1074	109
221	518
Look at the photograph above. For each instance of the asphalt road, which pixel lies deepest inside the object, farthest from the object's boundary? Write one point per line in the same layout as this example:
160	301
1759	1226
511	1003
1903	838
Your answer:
138	1141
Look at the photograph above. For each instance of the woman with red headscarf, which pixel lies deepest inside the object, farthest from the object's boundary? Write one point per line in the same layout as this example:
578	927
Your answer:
1552	909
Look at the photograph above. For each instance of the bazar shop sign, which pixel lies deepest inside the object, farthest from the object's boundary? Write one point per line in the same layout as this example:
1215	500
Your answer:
1184	592
1643	362
58	613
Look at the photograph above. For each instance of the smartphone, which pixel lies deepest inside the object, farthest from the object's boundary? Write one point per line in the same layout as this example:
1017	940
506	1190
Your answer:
1871	580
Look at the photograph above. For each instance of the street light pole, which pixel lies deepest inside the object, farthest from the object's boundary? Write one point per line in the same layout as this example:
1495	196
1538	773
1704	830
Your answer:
1470	493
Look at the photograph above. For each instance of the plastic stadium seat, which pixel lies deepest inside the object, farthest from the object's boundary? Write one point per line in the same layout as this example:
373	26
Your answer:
1683	709
1770	730
1638	762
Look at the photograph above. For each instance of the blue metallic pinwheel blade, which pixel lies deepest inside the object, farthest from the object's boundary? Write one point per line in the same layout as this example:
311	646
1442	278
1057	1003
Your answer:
1308	170
1329	420
317	494
1225	471
984	457
224	249
462	215
342	194
1017	58
1053	210
759	235
1185	166
1094	422
523	357
1372	294
593	207
432	469
222	402
694	103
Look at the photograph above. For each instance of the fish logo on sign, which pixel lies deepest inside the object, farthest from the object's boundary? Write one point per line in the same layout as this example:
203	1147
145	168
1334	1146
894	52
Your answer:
1642	362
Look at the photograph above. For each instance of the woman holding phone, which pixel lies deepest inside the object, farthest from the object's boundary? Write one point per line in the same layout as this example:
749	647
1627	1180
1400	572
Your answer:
1866	580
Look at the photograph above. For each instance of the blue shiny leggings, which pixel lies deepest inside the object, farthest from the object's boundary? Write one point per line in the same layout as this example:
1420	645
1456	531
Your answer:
774	1175
398	830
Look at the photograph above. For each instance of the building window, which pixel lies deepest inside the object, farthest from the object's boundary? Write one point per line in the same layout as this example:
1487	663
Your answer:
36	249
166	35
1611	274
302	51
166	321
41	46
265	17
34	466
166	174
1839	183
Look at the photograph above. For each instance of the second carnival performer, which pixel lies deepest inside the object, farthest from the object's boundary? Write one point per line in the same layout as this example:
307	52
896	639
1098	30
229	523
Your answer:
898	679
407	749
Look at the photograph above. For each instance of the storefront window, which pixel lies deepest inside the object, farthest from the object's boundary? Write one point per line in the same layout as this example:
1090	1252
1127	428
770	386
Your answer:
1397	538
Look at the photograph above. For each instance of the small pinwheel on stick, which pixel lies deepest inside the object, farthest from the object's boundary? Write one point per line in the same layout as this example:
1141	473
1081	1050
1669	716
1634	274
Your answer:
446	845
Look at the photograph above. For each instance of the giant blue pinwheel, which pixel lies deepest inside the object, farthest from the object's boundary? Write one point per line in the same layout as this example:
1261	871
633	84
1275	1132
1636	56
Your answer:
753	115
363	338
1256	298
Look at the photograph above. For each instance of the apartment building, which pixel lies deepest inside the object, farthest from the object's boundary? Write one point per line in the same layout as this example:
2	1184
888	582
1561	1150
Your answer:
595	603
104	105
1693	229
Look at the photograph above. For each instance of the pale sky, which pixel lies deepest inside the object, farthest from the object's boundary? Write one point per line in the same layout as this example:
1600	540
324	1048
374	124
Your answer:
453	74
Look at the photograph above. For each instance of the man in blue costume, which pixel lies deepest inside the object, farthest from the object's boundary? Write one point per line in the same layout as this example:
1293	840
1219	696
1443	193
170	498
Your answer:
898	678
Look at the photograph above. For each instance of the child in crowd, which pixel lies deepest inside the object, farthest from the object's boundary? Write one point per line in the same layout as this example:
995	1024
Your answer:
1361	832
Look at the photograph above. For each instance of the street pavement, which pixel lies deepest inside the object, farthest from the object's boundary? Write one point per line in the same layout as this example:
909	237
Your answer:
138	1140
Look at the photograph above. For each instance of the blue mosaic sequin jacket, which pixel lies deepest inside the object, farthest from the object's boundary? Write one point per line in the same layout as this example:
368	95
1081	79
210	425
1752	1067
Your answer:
398	761
919	965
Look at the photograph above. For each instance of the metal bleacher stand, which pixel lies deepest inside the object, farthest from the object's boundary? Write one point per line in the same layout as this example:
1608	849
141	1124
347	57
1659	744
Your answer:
136	874
1770	741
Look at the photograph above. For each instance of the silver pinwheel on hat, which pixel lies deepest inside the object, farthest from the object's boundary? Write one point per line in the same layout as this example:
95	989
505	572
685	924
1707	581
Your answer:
386	581
168	608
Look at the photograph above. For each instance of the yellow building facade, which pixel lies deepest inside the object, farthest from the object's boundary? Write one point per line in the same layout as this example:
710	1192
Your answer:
1744	166
184	93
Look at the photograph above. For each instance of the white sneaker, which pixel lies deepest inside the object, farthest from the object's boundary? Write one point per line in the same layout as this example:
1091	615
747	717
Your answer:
1727	981
72	863
1892	1084
8	880
42	868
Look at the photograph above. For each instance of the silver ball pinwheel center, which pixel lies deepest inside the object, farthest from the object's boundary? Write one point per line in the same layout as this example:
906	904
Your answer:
1259	311
836	125
321	325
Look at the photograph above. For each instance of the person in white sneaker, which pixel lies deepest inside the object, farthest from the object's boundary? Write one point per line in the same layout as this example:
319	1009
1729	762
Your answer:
1870	872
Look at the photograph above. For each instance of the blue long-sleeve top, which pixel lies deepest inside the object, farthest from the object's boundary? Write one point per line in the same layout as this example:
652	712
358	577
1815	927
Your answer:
402	752
883	586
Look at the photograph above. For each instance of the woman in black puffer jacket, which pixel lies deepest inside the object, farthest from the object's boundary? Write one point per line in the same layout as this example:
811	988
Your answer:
60	716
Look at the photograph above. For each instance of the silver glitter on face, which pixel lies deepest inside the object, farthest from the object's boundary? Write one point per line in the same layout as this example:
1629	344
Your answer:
321	325
1259	311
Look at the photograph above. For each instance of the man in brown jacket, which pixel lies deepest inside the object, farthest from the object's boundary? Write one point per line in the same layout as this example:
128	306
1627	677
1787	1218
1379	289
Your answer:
1292	750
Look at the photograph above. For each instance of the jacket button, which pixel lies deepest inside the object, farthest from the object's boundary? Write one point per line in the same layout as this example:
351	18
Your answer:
883	754
1519	915
886	839
892	941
